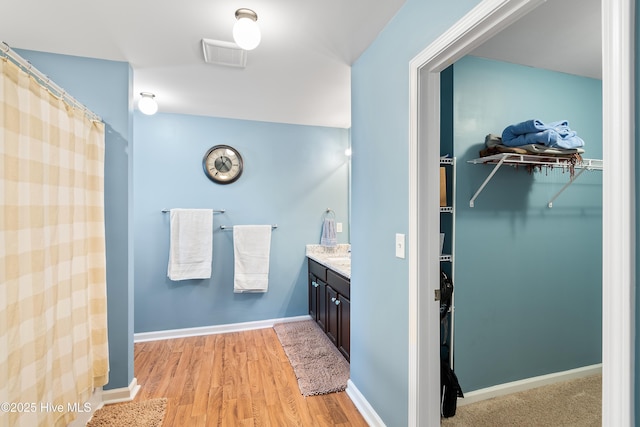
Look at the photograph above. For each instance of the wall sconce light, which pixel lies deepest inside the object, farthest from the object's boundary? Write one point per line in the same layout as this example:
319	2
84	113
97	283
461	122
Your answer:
147	104
246	32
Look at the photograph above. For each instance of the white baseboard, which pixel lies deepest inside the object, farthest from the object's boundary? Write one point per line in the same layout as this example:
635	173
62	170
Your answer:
123	394
93	404
528	383
211	330
363	406
101	397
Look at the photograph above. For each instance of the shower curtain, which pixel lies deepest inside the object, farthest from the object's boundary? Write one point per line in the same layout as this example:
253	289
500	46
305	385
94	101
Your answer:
53	314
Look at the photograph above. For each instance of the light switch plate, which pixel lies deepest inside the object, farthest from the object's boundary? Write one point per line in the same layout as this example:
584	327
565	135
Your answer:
399	245
338	227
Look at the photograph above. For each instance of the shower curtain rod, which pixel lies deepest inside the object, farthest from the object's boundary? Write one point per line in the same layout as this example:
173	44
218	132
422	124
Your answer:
6	50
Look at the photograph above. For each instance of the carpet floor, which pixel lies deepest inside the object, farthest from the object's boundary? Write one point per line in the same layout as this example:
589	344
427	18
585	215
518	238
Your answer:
575	403
319	366
147	413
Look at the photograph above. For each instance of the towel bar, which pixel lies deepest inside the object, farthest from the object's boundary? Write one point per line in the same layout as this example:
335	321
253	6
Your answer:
230	227
165	210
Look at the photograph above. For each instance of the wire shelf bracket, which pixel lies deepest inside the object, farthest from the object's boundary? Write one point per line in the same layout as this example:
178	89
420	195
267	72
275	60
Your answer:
513	159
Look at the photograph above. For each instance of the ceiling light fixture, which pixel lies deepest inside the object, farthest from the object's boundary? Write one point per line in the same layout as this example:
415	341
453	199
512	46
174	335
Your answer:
246	32
147	104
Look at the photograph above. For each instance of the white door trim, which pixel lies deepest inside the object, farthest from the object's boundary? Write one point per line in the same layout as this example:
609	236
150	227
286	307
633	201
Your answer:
618	213
485	20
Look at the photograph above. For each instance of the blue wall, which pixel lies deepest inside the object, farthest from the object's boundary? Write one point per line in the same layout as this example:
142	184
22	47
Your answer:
105	88
527	278
291	175
380	202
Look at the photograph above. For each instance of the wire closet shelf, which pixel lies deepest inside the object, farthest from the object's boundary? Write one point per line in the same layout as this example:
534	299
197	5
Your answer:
513	159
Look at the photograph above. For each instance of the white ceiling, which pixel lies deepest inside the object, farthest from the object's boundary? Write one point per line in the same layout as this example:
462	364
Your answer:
299	74
559	35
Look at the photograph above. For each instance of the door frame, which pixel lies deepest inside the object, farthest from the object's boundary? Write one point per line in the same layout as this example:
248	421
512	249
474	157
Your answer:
618	214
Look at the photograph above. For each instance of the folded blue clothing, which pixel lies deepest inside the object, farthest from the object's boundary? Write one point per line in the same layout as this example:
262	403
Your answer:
554	134
530	126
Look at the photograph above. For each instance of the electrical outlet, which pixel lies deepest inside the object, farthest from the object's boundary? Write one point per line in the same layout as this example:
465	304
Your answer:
399	245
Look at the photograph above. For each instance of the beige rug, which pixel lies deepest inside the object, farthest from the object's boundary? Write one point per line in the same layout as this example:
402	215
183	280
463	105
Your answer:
575	403
148	413
319	367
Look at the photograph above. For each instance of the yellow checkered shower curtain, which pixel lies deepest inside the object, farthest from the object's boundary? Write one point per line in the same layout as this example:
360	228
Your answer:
53	313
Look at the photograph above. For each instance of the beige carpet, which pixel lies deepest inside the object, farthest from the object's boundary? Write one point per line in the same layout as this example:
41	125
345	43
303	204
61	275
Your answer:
319	367
575	403
148	413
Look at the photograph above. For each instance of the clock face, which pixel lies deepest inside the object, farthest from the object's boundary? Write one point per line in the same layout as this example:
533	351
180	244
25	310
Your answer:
222	164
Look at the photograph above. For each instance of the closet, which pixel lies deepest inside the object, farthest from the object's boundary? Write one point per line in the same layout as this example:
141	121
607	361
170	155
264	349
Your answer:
521	269
617	112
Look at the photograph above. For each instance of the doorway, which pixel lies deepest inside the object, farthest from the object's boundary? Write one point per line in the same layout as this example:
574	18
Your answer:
480	24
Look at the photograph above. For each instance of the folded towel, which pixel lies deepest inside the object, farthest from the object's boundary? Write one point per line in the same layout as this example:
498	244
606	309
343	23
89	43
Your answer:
529	126
190	246
329	237
554	134
251	250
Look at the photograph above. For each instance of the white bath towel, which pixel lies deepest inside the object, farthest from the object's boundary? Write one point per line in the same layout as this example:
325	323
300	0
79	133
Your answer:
190	246
251	250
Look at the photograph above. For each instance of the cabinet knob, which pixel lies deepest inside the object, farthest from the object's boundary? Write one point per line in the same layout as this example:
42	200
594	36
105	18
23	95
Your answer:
333	299
314	284
337	301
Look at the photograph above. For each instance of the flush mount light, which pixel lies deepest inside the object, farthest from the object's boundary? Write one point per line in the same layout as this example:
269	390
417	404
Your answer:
246	32
147	104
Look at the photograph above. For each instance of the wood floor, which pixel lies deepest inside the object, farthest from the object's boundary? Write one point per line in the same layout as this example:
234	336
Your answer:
233	379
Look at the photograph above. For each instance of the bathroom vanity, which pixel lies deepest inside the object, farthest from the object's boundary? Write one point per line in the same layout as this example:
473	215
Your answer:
329	292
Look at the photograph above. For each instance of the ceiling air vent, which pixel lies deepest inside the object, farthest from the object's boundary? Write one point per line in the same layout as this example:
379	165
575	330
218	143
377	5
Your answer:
219	52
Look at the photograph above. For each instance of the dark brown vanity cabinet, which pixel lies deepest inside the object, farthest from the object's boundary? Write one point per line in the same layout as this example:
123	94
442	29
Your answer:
329	304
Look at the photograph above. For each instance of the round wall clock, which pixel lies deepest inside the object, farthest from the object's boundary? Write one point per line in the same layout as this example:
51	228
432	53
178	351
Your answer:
222	164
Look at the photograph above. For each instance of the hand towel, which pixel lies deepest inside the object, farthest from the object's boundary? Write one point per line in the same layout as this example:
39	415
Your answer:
328	237
251	250
190	246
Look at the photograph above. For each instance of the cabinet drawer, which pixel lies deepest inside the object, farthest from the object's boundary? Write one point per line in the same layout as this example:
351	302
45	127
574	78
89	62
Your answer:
339	283
318	270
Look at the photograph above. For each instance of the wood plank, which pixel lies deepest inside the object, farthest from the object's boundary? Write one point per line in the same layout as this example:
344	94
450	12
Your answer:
203	384
233	379
214	407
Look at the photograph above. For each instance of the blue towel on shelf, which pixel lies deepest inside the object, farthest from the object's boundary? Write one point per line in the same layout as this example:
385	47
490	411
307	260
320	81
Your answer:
530	126
554	134
329	237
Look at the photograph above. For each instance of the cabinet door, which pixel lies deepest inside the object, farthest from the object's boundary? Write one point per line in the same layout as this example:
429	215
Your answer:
344	322
322	304
313	297
332	315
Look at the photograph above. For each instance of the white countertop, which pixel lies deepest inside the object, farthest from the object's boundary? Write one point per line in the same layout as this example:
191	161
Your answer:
337	258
